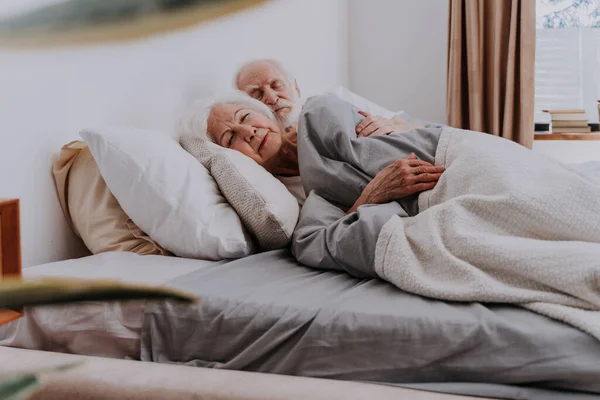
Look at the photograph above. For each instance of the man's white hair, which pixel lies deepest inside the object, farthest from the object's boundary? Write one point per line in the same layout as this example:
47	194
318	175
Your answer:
284	71
195	120
295	102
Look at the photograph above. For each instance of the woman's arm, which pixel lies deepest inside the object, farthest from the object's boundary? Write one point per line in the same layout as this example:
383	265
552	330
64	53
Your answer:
327	238
402	178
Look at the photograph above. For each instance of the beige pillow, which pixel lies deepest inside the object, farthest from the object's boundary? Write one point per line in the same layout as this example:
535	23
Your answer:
90	208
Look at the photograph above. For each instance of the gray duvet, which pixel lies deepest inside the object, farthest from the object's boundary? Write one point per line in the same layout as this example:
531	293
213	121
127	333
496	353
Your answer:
269	313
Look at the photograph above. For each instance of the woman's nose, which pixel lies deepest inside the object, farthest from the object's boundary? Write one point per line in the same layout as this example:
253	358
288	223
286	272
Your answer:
248	132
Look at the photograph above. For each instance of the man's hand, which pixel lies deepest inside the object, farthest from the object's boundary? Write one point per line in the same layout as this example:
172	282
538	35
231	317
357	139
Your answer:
376	125
402	178
373	125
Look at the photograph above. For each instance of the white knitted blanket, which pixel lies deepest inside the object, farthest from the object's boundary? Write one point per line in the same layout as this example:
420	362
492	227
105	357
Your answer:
504	224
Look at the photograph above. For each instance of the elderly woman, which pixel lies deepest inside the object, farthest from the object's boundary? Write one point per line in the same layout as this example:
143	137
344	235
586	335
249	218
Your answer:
383	174
498	228
246	125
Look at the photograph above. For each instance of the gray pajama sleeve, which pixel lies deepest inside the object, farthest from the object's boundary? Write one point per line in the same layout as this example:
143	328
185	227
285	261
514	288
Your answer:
338	165
327	238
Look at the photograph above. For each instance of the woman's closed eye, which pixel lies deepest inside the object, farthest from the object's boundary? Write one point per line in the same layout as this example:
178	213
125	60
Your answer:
227	139
244	117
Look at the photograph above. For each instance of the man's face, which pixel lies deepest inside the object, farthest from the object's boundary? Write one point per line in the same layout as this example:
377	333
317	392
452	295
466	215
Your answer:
266	83
245	130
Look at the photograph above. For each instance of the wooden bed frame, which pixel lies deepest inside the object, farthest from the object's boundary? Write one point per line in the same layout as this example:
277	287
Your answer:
10	248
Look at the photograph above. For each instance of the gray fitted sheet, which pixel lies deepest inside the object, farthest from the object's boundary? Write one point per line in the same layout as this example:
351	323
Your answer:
267	313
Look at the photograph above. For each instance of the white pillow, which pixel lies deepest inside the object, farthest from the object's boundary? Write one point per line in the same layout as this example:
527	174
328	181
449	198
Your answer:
363	104
168	194
268	210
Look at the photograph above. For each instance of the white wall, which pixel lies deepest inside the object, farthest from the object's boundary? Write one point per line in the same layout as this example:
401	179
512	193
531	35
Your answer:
398	52
46	97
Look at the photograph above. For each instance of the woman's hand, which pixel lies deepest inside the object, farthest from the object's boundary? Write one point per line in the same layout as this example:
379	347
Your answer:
402	178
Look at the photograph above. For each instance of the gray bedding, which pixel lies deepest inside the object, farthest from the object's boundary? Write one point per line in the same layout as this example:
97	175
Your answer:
268	313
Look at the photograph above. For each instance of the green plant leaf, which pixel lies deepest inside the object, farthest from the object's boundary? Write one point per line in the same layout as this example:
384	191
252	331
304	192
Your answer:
21	386
16	294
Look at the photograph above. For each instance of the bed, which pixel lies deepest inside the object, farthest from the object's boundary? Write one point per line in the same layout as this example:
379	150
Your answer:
266	313
263	313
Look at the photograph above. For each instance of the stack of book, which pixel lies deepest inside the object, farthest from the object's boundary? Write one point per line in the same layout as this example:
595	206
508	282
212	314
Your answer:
569	121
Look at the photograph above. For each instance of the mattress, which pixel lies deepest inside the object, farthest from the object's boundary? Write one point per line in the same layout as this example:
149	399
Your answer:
94	328
267	313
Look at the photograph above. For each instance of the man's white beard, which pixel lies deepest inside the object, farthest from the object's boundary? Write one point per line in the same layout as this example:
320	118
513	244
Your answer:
290	118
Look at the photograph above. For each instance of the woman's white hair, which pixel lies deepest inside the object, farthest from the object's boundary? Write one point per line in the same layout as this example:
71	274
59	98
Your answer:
195	119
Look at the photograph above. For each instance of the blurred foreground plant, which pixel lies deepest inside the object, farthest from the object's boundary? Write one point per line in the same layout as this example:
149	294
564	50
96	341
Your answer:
16	294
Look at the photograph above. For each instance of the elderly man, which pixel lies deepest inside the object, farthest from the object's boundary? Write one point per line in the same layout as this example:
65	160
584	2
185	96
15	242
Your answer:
269	82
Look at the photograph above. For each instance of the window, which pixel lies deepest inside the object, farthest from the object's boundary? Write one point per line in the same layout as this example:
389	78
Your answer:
567	65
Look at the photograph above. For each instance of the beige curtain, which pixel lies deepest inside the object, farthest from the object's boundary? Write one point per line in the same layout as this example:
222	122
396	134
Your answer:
491	61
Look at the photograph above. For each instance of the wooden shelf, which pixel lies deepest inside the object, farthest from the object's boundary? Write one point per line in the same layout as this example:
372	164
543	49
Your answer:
566	136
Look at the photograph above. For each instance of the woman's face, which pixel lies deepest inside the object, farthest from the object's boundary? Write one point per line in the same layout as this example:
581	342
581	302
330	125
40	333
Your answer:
245	130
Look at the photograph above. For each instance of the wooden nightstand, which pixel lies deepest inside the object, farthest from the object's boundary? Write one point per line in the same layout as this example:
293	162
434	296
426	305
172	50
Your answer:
10	248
